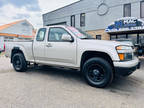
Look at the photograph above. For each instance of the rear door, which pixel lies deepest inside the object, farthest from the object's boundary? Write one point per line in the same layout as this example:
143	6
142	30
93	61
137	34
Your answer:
39	45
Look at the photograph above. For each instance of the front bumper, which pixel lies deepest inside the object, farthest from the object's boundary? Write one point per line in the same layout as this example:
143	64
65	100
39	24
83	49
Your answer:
126	68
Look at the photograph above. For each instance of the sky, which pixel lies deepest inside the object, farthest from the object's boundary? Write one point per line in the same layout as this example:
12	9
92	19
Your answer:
32	10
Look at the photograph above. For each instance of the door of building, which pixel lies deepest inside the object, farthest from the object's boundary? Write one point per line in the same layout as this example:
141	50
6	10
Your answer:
141	36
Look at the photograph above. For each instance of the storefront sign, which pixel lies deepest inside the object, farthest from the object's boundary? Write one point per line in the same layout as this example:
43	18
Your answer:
126	24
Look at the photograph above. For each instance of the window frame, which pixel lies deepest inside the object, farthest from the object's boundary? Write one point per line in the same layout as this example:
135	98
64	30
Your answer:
44	34
124	9
55	40
73	16
81	25
141	9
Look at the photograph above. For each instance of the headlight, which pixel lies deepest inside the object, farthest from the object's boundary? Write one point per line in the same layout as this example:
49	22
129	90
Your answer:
123	48
125	53
125	56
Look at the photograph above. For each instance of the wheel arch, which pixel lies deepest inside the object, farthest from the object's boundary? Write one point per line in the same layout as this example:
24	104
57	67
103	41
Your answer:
90	54
16	50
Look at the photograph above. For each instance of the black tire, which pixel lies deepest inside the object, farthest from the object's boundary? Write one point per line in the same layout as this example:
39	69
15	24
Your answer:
19	62
98	72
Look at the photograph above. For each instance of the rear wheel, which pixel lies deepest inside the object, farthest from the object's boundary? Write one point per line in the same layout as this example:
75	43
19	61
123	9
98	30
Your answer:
98	72
19	62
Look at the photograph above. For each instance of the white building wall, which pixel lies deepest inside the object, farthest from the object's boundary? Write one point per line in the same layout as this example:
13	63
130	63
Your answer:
93	20
21	28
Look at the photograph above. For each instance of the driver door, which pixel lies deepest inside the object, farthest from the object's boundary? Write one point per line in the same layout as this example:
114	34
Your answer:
57	51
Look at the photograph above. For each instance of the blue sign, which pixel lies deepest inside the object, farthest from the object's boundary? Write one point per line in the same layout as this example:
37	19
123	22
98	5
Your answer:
126	24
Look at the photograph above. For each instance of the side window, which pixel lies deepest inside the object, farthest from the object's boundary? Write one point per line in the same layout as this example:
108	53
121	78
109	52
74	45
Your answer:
55	34
41	34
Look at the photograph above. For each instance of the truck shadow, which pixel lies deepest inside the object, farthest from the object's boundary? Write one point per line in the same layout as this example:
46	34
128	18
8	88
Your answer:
58	73
119	85
125	84
134	83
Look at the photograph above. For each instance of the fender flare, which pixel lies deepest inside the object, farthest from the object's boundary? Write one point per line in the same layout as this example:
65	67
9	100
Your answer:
16	50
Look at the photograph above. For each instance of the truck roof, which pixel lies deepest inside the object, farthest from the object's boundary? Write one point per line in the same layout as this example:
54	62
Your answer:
56	26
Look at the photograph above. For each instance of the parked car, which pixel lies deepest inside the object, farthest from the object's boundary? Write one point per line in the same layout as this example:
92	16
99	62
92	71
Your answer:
140	47
2	45
64	46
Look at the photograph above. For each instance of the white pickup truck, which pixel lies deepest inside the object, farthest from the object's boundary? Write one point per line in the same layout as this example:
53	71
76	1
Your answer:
64	46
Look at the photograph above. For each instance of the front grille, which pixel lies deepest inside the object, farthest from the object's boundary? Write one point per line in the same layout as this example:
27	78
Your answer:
128	56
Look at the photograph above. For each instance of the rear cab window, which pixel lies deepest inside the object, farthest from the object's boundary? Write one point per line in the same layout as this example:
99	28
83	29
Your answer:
41	34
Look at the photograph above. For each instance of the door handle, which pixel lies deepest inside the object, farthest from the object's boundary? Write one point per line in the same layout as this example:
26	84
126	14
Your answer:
48	45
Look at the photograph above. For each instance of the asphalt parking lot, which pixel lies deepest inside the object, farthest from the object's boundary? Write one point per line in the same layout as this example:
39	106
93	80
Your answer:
59	88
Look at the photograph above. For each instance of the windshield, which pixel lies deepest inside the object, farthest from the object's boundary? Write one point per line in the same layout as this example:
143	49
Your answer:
79	33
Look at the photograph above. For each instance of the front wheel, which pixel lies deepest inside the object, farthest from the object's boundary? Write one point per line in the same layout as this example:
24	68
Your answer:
98	72
19	62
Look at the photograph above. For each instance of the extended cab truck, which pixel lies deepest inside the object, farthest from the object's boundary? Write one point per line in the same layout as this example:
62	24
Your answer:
65	46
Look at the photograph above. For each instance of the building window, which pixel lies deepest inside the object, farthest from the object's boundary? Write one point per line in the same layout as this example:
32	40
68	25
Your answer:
73	20
113	37
60	23
98	37
121	36
134	38
142	9
141	36
127	10
82	19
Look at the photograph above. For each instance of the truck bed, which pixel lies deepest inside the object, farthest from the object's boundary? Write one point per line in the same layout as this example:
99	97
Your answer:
25	46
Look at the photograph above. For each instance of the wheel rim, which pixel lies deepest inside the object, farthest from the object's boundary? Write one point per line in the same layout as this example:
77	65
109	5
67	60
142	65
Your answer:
17	62
96	73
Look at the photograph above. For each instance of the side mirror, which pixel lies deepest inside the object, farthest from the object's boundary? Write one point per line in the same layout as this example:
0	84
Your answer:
67	38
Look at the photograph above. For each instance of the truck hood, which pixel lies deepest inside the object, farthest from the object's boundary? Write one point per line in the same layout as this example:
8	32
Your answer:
104	43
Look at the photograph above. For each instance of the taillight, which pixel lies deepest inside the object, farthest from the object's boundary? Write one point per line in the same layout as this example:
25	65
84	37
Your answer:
4	47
